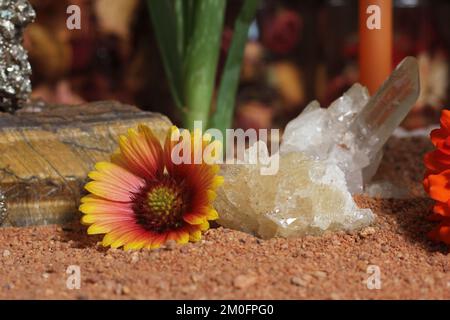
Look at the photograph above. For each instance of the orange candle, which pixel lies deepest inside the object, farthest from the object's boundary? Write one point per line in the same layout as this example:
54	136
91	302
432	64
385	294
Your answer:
375	42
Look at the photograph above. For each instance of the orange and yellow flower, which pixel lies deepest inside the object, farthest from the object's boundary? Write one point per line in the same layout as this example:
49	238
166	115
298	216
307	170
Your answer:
437	179
141	198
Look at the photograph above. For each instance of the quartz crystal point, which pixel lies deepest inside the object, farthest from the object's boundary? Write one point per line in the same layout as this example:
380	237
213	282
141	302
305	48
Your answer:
354	128
389	106
306	196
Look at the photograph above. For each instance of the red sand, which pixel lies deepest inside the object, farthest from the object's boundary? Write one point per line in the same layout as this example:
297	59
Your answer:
228	264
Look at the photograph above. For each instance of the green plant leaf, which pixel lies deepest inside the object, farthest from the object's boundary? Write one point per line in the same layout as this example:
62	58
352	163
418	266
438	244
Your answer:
189	17
164	21
180	22
201	59
223	116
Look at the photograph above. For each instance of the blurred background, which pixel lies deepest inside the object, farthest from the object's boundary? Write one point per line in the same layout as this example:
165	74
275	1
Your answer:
297	51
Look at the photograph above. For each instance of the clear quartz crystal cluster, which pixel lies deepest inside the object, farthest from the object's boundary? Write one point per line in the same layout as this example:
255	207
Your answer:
15	70
326	155
306	196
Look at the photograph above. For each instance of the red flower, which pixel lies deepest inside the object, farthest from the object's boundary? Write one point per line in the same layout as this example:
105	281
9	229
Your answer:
437	179
281	33
141	199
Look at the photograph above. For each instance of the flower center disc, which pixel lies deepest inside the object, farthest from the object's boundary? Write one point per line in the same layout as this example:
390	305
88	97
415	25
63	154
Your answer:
160	206
162	201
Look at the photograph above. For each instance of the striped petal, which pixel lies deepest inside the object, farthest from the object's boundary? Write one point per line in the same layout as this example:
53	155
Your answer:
194	218
101	206
109	191
116	176
141	152
158	240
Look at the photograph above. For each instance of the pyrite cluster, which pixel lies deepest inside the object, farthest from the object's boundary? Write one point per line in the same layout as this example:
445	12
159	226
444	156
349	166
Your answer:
15	70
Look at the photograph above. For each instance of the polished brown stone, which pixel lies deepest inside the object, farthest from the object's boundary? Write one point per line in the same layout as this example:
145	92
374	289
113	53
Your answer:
46	152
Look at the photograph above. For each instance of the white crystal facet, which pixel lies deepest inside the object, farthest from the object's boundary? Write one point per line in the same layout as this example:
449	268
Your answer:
323	134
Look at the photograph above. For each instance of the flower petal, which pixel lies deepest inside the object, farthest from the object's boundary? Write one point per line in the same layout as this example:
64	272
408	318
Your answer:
194	218
141	239
204	226
182	237
158	240
117	176
101	206
444	233
141	152
125	237
439	186
218	181
98	229
195	236
108	191
212	214
108	239
441	233
211	195
172	138
442	209
92	218
436	161
438	137
445	121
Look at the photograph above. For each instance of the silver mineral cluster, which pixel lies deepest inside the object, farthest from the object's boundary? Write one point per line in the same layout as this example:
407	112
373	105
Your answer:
15	70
